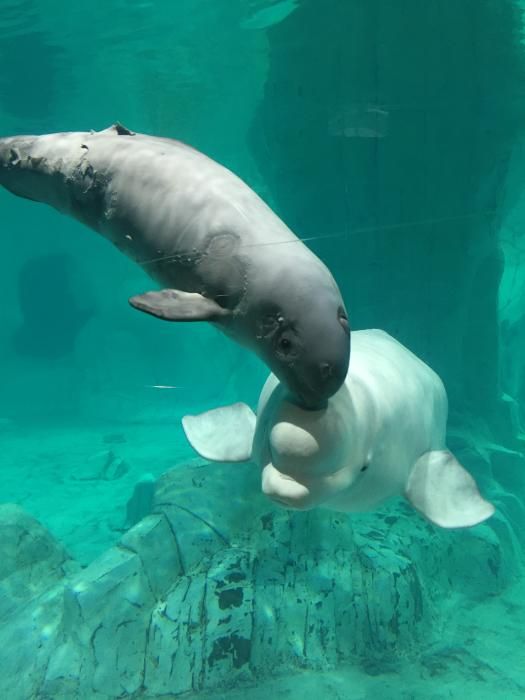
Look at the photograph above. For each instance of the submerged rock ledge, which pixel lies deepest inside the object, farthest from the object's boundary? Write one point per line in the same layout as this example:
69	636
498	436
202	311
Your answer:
199	596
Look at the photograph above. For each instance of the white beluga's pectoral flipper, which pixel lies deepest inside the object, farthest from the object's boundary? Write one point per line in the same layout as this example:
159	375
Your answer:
445	493
223	434
175	305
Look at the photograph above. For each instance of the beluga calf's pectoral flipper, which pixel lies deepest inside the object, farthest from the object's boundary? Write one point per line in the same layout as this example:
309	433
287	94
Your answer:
223	434
445	493
174	305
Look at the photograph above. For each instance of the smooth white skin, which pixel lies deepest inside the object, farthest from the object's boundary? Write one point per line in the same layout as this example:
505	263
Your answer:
391	409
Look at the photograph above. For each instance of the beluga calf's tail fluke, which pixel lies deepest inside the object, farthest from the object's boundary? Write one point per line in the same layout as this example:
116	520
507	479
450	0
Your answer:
221	253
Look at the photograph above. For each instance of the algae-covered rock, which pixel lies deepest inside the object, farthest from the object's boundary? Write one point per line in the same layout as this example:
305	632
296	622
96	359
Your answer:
214	590
104	466
31	560
141	502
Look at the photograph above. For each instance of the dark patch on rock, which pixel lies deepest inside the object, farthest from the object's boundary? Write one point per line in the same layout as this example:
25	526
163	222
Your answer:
235	577
230	598
493	566
238	648
266	521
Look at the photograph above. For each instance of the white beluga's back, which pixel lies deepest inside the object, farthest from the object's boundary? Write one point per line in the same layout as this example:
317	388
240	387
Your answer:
383	434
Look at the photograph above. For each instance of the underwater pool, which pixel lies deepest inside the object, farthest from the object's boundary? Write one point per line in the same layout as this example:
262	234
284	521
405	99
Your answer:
334	535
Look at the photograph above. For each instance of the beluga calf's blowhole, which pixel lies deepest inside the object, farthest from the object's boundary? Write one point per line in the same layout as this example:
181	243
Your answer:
221	253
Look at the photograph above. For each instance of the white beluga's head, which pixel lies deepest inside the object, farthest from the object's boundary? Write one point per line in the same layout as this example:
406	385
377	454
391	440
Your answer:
306	455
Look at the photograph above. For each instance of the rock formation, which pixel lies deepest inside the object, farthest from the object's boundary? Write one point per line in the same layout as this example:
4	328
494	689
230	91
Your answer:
217	589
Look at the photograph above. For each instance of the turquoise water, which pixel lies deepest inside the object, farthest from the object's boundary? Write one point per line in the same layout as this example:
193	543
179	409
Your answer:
387	135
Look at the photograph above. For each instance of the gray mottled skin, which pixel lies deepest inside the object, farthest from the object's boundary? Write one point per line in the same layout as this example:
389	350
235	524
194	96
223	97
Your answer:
202	233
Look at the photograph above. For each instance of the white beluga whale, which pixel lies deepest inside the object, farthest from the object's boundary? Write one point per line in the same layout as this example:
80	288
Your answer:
221	253
383	434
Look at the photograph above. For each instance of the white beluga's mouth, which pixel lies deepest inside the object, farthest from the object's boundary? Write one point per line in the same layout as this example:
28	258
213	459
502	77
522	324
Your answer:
285	490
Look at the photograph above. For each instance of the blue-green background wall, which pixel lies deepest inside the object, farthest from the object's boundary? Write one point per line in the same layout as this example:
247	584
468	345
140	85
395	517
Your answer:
386	133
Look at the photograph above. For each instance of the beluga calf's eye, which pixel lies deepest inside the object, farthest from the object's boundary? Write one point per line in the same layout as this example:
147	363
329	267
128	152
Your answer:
285	347
343	320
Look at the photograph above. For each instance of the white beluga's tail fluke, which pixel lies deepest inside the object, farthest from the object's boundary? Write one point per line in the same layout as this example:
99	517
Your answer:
223	434
445	493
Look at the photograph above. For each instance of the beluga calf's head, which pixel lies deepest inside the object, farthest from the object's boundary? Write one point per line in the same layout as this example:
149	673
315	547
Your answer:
220	254
303	335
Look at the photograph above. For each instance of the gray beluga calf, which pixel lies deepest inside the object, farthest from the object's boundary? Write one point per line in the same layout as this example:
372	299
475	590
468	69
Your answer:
381	435
223	255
